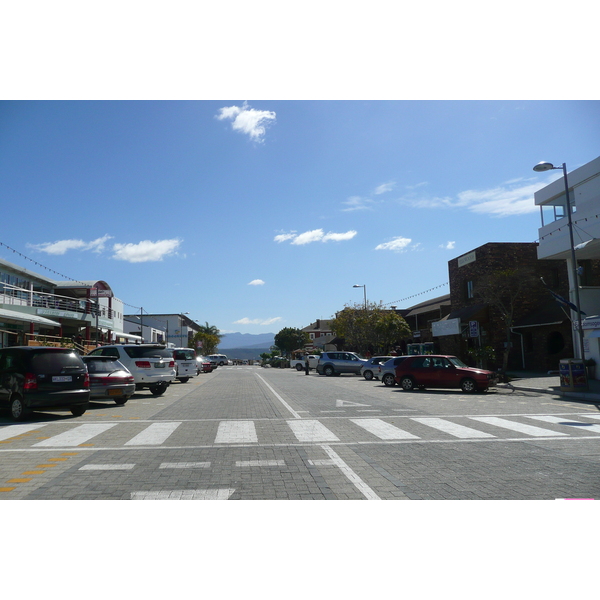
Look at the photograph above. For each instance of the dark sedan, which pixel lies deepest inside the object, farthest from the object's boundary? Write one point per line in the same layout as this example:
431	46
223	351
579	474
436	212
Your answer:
109	379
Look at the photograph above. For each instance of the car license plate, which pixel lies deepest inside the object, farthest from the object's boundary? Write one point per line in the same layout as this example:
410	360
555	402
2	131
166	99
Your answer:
61	378
159	365
115	392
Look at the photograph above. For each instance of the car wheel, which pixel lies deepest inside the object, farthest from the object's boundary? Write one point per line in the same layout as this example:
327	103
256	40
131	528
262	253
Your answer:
468	385
183	379
407	383
158	389
389	380
17	409
77	411
299	367
368	375
328	370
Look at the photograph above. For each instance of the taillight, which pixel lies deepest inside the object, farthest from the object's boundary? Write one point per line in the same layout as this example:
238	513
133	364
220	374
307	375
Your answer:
86	380
143	364
172	364
30	382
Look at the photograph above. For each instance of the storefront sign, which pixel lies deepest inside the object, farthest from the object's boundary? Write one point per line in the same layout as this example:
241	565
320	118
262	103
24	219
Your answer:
447	327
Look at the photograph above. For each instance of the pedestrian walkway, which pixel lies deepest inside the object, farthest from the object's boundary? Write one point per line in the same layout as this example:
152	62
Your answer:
332	430
550	384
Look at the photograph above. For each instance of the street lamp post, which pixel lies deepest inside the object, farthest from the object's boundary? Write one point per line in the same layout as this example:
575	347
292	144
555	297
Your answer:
547	166
365	290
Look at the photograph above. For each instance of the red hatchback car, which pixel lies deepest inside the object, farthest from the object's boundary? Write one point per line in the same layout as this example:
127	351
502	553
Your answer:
440	371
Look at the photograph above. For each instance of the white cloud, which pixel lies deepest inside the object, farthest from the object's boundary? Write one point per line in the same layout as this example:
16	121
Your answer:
145	251
308	237
448	246
398	244
63	246
502	201
385	187
357	203
247	120
257	282
315	235
339	237
283	237
247	321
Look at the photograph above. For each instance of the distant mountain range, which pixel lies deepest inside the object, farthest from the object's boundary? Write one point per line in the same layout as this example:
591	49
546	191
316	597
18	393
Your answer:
247	340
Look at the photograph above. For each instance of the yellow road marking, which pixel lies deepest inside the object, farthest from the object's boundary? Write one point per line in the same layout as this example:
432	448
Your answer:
7	489
19	480
32	472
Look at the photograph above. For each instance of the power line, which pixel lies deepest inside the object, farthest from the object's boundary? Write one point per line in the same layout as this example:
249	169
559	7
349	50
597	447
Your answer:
35	262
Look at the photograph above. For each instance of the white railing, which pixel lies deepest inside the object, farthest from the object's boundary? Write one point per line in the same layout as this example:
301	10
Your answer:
12	295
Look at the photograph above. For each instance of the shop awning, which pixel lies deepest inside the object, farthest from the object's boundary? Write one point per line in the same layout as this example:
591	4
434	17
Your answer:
19	316
129	336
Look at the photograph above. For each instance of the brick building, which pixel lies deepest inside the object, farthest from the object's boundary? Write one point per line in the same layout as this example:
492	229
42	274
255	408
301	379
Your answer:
540	331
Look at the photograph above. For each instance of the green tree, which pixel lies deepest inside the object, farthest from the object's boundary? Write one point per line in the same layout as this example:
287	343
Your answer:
209	337
290	339
504	291
373	329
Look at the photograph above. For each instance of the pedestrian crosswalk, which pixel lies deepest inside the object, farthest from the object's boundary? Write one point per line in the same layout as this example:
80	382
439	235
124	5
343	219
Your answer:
327	430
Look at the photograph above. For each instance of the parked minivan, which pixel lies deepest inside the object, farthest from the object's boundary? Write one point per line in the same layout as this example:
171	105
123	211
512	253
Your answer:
45	378
185	363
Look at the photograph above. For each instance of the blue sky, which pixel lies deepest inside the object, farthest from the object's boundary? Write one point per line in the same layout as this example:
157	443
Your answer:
248	163
257	215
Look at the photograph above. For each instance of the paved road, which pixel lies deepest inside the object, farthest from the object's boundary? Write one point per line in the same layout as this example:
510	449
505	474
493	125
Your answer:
251	433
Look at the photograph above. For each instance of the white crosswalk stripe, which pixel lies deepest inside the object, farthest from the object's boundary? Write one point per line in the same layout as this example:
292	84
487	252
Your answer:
10	431
310	430
236	432
459	431
584	427
383	430
154	435
76	436
519	427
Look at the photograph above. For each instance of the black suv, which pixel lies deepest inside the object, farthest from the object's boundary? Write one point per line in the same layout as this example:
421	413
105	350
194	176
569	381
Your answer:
43	378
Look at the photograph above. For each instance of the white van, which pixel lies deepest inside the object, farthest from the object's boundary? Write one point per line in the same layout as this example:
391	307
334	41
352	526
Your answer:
185	363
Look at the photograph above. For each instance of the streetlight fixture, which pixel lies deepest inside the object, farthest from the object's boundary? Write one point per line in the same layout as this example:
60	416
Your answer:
365	290
547	166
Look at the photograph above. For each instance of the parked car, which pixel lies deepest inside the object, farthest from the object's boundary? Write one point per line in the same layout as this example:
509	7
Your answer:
387	371
300	363
336	363
370	370
152	365
439	371
203	365
110	379
219	359
39	377
185	364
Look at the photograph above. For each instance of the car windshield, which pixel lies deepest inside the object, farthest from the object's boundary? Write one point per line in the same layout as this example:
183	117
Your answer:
103	365
457	362
45	363
184	355
148	352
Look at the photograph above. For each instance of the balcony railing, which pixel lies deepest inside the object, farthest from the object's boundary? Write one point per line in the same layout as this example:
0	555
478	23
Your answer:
12	295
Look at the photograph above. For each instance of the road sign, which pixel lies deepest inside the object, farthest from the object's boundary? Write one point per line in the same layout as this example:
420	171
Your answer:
473	329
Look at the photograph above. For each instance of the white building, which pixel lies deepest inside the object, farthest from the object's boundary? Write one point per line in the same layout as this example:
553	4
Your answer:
555	243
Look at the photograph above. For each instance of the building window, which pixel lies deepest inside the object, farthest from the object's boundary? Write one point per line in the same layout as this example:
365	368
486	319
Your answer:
469	290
